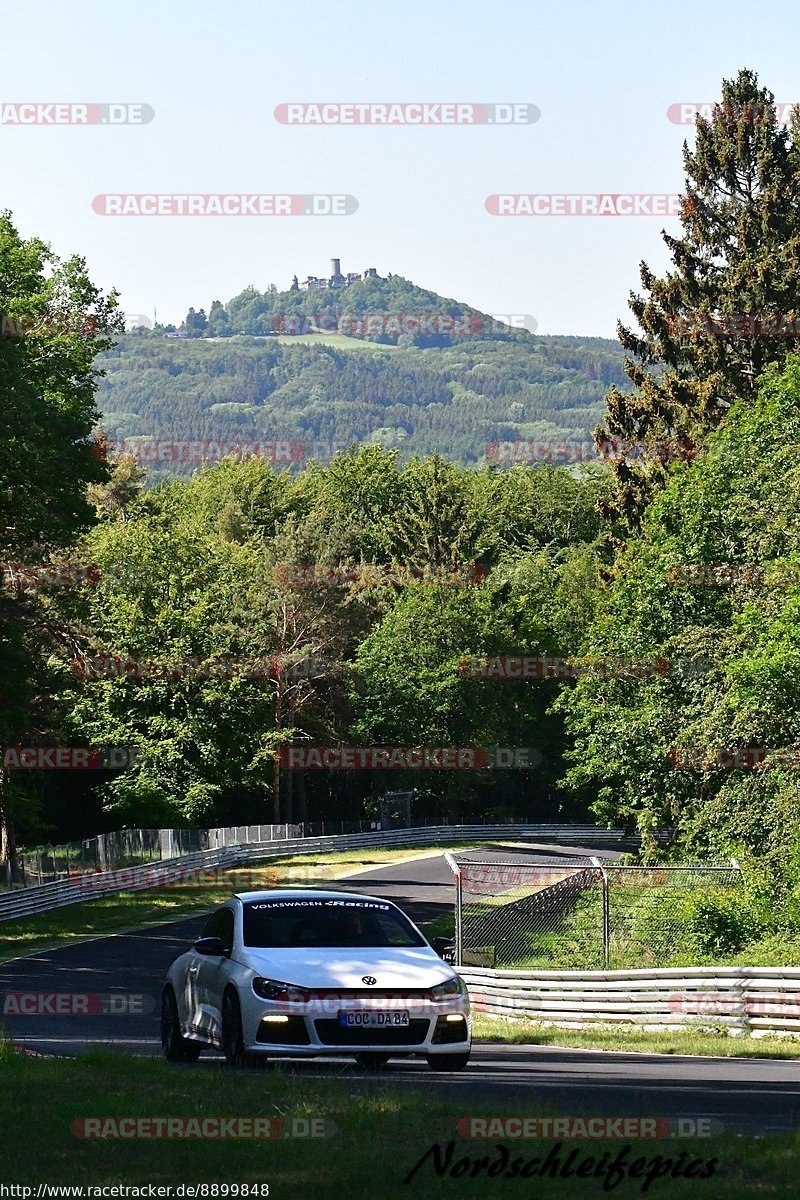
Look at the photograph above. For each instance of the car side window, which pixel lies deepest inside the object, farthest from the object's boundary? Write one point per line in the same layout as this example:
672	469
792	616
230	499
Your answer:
220	924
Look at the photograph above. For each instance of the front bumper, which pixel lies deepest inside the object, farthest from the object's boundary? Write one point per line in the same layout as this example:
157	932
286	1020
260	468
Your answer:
314	1029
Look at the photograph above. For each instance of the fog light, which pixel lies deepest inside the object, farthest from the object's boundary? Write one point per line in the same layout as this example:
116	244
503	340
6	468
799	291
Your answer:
276	1019
454	1017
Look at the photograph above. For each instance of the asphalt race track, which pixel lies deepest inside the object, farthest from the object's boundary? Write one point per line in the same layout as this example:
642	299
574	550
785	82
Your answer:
747	1095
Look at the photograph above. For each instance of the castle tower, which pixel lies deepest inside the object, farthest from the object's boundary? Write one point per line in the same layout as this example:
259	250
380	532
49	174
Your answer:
335	271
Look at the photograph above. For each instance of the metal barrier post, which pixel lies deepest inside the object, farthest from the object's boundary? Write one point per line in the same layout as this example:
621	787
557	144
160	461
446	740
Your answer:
456	869
459	924
606	913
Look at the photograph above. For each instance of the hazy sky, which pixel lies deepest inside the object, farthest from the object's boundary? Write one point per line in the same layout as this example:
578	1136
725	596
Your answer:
603	76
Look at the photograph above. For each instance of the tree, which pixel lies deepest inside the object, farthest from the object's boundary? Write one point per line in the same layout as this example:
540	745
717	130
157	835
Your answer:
739	255
442	517
188	572
730	647
217	320
115	497
56	323
195	323
173	589
47	384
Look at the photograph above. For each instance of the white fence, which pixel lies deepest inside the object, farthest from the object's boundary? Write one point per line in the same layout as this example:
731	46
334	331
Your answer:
736	1000
230	850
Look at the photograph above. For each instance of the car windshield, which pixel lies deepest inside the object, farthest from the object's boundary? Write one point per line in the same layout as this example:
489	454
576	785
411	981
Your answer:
326	923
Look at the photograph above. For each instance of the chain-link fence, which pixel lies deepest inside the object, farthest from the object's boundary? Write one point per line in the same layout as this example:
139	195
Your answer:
586	915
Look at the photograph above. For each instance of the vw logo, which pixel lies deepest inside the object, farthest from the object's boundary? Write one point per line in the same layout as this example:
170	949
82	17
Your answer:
369	980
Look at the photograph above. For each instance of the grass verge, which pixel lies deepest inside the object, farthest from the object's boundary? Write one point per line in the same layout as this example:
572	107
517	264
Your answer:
628	1039
376	1134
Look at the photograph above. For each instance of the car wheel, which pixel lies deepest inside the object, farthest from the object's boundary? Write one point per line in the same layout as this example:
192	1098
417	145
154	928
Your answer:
232	1036
448	1062
176	1047
372	1062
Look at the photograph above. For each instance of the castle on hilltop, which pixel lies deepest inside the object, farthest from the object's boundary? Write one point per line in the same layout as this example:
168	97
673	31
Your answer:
335	280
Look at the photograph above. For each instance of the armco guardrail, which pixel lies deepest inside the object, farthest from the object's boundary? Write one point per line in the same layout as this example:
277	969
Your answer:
41	898
132	847
580	835
740	1000
78	888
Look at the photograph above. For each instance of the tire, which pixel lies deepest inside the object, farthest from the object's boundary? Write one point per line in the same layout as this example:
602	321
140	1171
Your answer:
232	1036
448	1062
372	1061
176	1047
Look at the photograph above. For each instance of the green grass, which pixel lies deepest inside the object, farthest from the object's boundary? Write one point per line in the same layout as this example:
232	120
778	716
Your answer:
333	862
629	1038
444	926
381	1133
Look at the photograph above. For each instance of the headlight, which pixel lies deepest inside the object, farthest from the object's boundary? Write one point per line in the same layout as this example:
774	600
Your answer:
448	989
274	989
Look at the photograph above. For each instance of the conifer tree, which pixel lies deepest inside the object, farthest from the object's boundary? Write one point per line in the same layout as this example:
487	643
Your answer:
724	310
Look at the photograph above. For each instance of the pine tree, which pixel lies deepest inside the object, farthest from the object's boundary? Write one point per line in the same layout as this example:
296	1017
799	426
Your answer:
739	257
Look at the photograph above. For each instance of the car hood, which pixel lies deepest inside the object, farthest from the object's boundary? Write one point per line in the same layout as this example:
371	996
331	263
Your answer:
345	967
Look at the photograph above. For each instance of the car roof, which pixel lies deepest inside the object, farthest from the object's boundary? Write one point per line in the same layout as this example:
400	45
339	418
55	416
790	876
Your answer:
306	894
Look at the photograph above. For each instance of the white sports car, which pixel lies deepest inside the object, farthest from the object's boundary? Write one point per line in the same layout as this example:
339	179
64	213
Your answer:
302	972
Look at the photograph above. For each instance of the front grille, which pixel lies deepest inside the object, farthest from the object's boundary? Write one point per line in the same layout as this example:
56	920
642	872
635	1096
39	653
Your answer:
284	1033
331	1033
449	1031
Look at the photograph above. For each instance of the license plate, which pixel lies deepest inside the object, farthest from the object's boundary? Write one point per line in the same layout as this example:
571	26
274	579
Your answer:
374	1020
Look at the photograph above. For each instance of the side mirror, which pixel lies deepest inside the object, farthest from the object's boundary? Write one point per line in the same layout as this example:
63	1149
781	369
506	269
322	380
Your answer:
442	945
210	945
